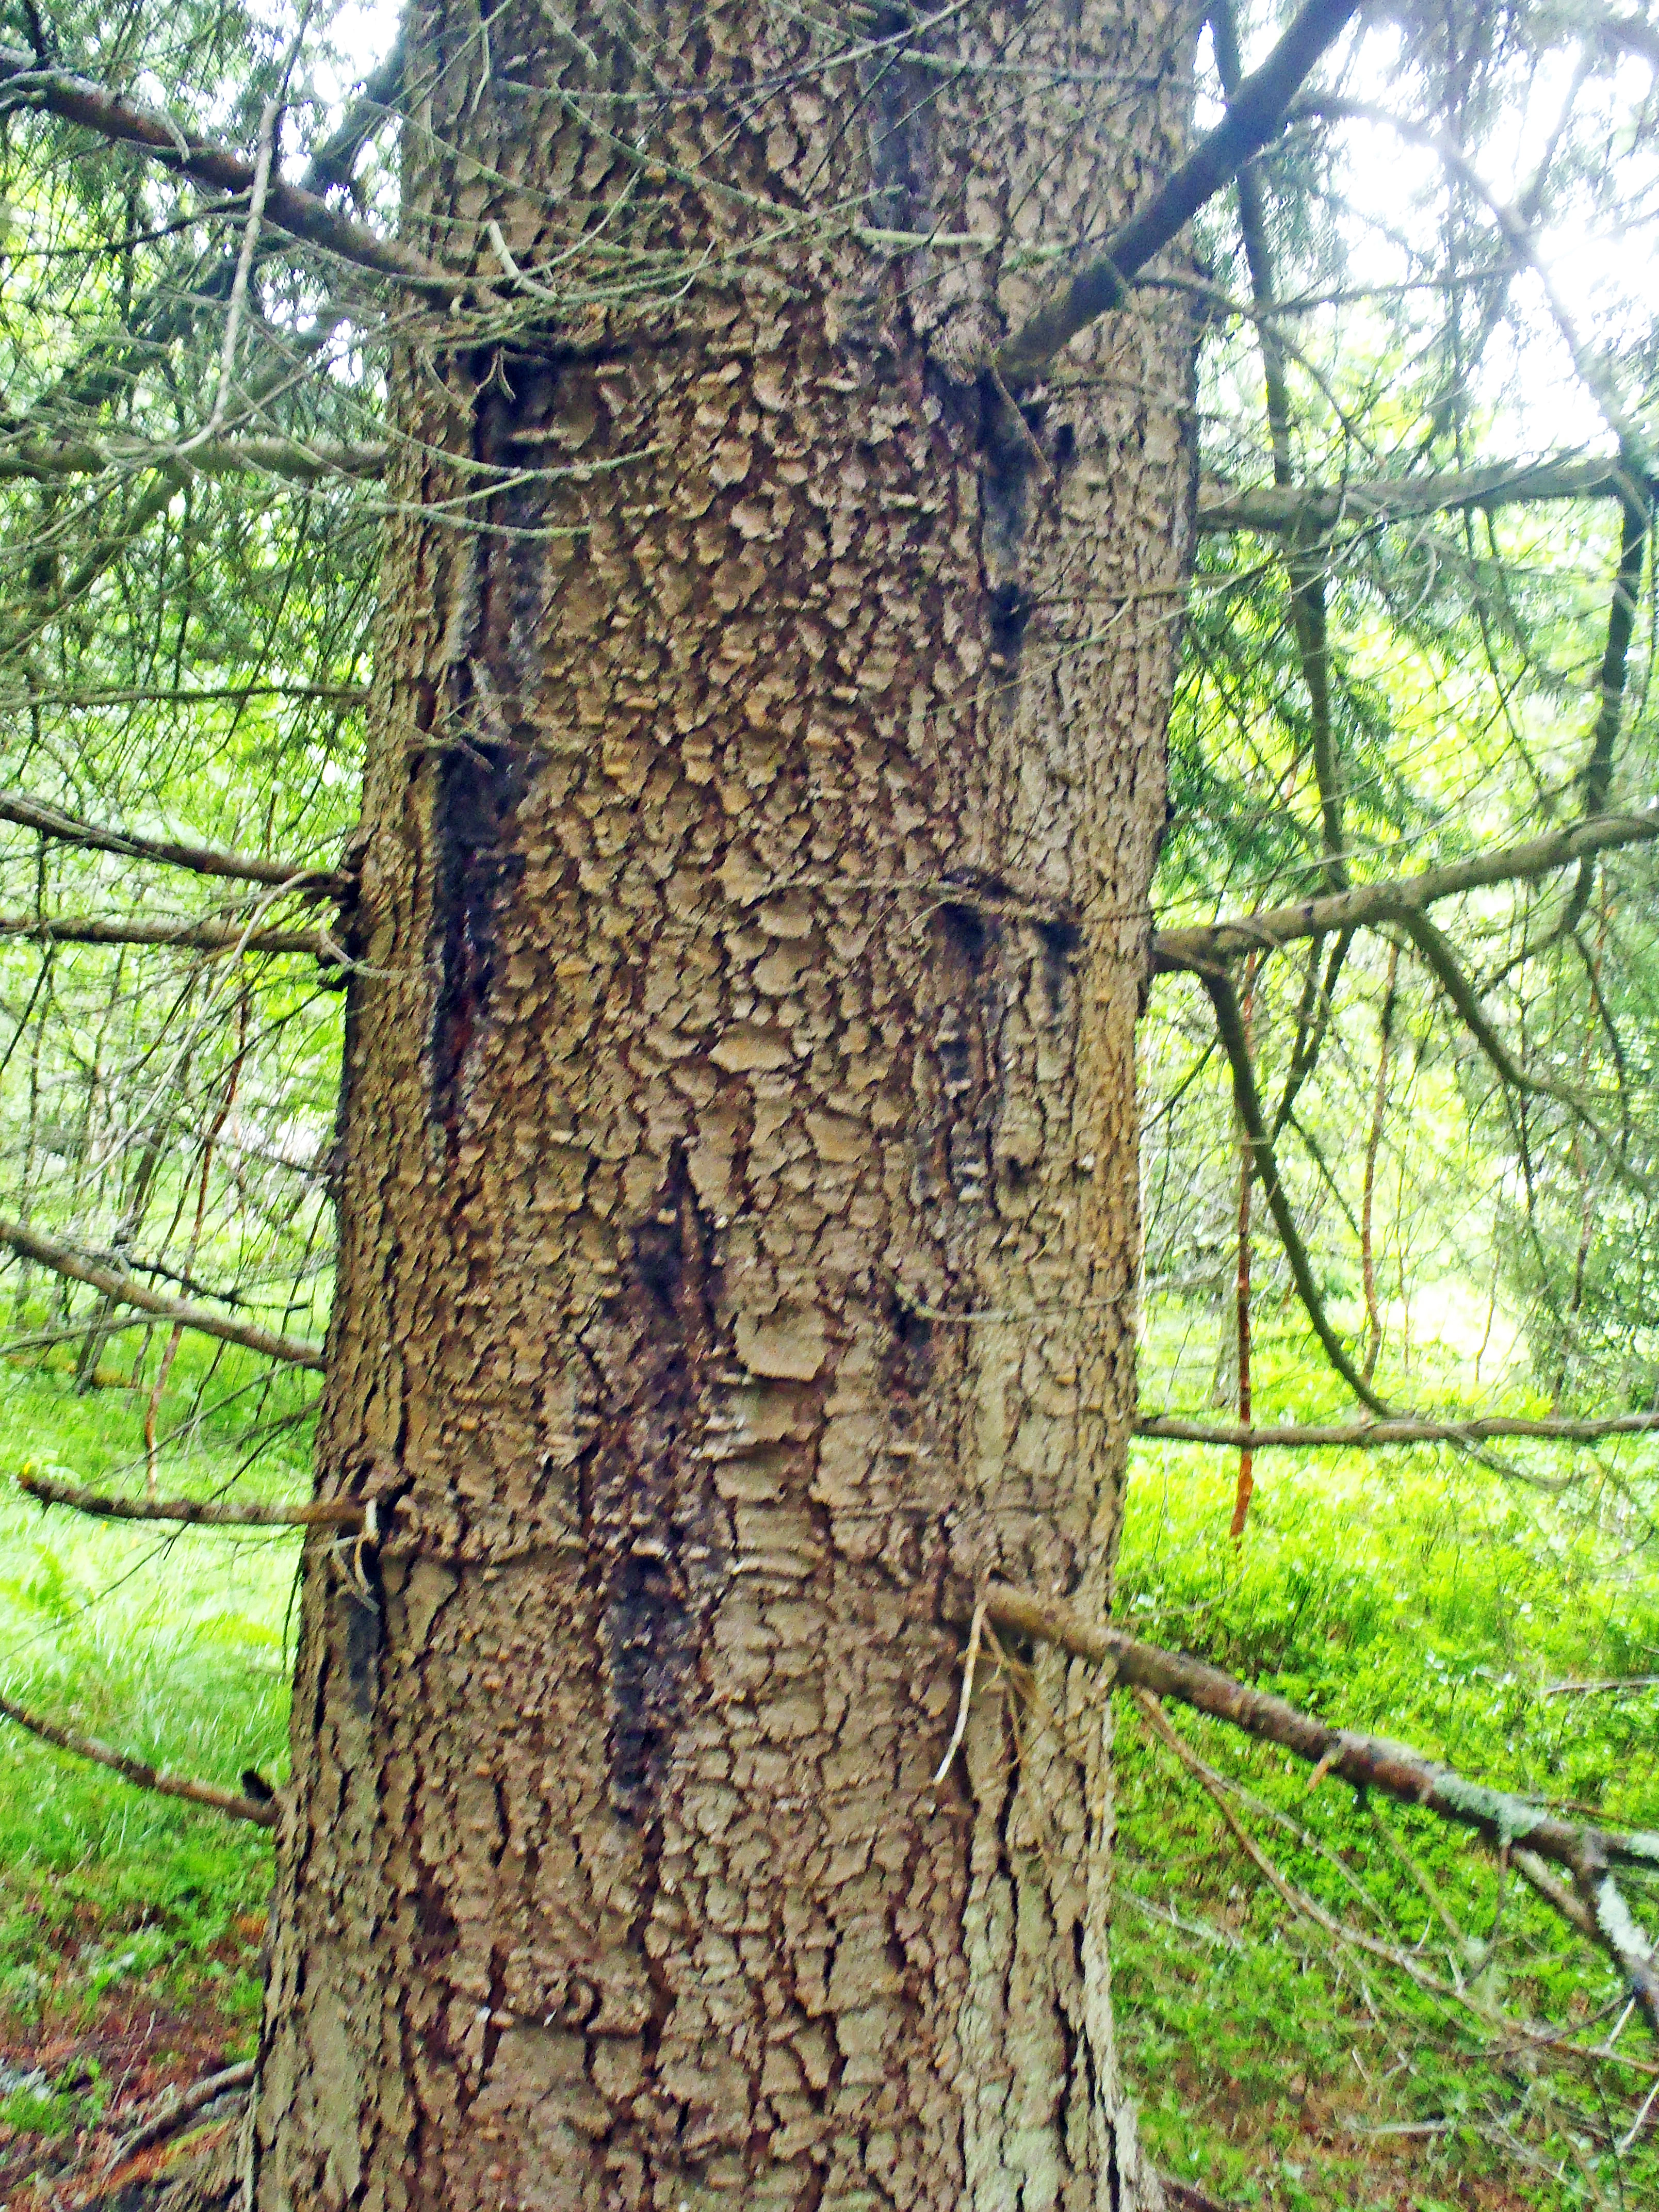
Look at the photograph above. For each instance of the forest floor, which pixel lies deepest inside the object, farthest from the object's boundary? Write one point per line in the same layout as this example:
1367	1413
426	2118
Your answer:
1451	2046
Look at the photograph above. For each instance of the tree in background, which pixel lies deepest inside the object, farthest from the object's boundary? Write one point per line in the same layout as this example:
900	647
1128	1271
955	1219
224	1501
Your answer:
790	442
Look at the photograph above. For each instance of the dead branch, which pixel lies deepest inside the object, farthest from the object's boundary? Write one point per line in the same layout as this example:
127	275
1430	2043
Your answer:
1367	1762
1282	510
62	1260
1303	1436
1298	1899
172	2111
187	936
302	215
1400	899
203	860
1255	117
207	1512
139	1770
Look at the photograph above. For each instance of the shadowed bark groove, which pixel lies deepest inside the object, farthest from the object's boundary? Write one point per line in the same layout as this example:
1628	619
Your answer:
740	1187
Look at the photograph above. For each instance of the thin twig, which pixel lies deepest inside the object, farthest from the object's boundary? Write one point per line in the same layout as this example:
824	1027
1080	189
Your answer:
970	1659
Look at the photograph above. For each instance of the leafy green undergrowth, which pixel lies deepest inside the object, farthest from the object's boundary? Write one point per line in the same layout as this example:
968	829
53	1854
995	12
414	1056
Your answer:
1402	2055
167	1644
1278	2064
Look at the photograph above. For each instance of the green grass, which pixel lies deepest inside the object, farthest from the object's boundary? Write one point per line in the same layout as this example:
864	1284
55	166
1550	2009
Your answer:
169	1644
1411	1593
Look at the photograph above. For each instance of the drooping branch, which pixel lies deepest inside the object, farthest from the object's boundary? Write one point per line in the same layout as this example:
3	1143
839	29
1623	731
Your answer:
1309	624
1369	905
1365	1762
80	1267
1280	510
302	215
193	1512
334	159
1229	1026
1571	1907
1255	117
1443	964
1615	658
1362	1436
202	859
263	1812
187	936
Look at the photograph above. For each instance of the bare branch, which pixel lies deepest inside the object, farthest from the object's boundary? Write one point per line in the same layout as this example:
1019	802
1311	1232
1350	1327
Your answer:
1365	1762
1280	510
63	1259
302	215
1365	1436
1255	117
203	860
193	1512
262	1813
39	460
1401	899
187	936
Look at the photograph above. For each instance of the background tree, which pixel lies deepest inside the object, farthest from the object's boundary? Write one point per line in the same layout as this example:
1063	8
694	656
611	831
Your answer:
786	458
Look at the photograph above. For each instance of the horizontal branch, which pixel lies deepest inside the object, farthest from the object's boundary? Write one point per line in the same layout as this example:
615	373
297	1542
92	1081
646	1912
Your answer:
206	1512
1254	116
203	860
262	1813
63	1259
302	215
1365	1762
39	460
1402	899
1287	510
1176	1428
185	935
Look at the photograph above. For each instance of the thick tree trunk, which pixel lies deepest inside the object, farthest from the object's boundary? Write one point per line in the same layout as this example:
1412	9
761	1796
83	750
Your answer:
740	1213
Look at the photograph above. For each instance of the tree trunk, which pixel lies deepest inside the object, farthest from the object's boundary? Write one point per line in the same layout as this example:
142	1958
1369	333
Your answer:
740	1206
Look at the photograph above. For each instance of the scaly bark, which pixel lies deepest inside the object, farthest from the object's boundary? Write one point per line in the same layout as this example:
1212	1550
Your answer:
740	1206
